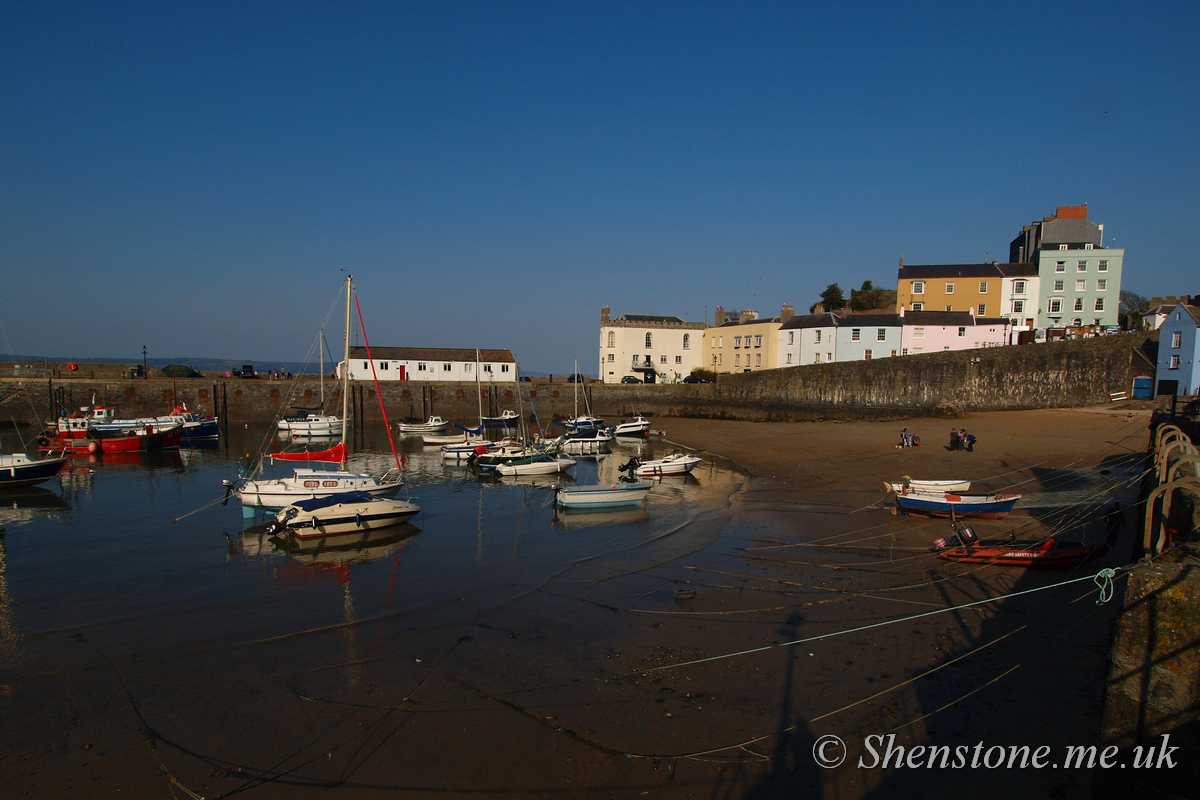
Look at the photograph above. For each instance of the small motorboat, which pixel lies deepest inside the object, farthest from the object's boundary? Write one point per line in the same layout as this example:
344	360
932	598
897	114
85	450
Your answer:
345	512
948	504
929	486
602	496
1048	553
307	484
435	439
537	464
507	419
595	440
638	426
19	469
434	425
672	463
312	425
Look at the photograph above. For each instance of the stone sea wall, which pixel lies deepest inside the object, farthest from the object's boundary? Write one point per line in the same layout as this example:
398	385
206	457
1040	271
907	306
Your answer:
1049	375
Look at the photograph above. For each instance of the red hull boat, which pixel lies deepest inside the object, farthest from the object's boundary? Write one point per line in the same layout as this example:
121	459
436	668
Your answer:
147	438
334	455
1051	553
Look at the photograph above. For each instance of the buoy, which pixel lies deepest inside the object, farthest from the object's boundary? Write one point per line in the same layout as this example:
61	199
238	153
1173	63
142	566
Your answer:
72	366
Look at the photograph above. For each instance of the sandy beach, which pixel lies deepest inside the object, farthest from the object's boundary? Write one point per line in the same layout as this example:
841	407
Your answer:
816	612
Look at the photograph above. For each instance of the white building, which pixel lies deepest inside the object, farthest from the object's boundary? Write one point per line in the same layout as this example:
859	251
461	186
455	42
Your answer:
431	364
649	347
808	339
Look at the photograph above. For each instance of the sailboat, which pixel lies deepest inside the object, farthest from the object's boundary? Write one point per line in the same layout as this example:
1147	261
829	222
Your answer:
308	423
587	422
306	484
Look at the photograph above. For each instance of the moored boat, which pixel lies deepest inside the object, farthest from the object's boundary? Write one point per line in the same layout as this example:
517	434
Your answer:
929	486
602	496
1048	553
672	463
128	440
433	425
312	425
507	419
19	469
638	426
341	513
537	464
948	504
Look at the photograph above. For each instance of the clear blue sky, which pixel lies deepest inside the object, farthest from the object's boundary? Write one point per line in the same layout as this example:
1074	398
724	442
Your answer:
195	176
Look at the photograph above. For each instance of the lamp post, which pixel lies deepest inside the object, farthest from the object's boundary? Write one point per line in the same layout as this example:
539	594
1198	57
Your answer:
145	369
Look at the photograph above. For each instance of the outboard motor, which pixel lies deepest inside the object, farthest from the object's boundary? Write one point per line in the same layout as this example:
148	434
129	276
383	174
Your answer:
630	465
228	490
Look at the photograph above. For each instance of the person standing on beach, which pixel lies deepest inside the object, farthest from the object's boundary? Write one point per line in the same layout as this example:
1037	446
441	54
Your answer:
953	440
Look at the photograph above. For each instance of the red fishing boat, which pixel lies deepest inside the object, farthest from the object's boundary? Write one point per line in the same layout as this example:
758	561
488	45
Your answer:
131	440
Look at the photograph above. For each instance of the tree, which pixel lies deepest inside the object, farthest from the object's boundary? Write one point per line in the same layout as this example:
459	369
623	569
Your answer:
832	298
1131	308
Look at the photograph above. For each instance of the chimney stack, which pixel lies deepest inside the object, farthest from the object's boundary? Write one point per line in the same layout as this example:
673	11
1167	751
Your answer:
604	314
747	316
720	320
787	313
902	263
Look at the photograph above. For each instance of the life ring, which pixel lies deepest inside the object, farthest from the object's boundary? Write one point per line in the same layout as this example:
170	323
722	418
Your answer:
72	366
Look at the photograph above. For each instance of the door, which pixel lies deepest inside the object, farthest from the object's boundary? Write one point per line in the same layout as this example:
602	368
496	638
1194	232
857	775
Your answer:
1168	388
1143	386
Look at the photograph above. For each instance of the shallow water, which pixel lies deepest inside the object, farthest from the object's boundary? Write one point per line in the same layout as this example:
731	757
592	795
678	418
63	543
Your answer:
96	557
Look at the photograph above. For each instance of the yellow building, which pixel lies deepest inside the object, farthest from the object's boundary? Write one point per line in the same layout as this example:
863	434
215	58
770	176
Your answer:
980	288
745	343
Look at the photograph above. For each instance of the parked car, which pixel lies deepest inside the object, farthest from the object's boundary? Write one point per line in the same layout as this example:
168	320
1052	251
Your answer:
631	379
576	378
247	371
525	379
695	379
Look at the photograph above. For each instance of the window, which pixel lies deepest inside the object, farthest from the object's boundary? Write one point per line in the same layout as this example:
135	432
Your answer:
487	368
881	335
1062	247
1081	286
1103	266
866	355
1102	285
1056	305
949	287
818	339
1099	303
635	359
1018	287
612	338
918	306
904	351
758	341
829	356
1174	362
468	367
1018	306
918	287
855	334
1078	304
1081	266
791	337
720	358
687	341
983	287
678	359
662	359
612	357
383	365
789	358
1077	322
818	358
420	366
1177	339
1088	246
918	350
1058	286
648	345
366	365
962	333
737	341
737	359
721	341
1060	266
758	359
949	308
982	310
504	367
446	368
893	354
918	333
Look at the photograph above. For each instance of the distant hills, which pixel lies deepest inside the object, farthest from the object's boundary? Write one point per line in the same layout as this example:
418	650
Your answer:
209	366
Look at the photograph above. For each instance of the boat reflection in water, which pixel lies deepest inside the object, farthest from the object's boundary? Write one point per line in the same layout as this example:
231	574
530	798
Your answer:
337	550
572	519
19	506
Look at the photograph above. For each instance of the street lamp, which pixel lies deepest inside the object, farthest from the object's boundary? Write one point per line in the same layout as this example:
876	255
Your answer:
145	369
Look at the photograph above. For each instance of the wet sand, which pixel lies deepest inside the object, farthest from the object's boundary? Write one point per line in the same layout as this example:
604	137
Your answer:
562	691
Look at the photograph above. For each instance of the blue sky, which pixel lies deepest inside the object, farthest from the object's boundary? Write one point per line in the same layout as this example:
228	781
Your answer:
196	177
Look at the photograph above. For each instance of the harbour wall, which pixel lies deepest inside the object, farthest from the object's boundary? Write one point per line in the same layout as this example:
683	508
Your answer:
1048	375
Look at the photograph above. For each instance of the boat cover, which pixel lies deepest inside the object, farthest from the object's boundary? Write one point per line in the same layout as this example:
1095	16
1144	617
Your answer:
316	503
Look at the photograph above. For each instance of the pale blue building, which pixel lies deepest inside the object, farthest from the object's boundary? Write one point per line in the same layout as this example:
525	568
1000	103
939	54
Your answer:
1177	372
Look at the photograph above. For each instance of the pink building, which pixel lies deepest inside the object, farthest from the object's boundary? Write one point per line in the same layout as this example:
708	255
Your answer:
937	331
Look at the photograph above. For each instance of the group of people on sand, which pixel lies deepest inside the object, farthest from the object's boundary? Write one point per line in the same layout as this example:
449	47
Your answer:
961	440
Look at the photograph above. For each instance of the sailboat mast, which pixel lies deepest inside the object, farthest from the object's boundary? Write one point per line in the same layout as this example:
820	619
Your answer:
478	390
346	362
321	347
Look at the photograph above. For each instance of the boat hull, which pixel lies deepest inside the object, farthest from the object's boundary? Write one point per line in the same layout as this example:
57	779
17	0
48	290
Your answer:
357	516
670	465
535	467
957	506
1060	555
930	486
310	484
130	441
614	496
20	470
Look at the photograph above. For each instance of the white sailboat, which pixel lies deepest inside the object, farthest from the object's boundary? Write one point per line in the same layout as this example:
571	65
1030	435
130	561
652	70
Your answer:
587	422
308	423
306	484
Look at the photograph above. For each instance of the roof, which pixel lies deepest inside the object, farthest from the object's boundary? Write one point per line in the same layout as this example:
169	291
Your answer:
1193	311
926	271
433	354
1018	270
825	320
733	323
956	318
650	318
865	320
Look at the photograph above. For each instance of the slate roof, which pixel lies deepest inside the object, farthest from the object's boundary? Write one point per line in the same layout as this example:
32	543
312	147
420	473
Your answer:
650	318
804	321
869	320
955	318
935	271
433	354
